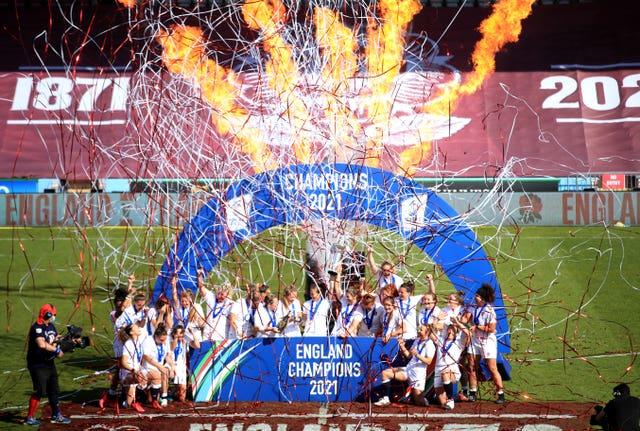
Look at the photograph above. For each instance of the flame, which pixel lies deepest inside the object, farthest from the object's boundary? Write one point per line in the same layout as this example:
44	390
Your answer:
281	70
129	4
385	43
504	25
184	53
338	45
384	53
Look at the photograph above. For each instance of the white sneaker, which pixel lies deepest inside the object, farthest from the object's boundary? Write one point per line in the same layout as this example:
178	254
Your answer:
384	401
163	402
450	404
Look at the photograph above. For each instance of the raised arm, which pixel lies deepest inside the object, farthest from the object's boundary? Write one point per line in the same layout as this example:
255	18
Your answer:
174	292
371	260
195	341
201	288
335	284
432	286
130	290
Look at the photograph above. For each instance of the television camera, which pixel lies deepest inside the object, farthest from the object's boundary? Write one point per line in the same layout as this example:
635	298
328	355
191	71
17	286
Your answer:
73	339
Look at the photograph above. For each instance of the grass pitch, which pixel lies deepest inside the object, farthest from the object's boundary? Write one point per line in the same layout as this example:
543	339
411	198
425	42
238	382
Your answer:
571	295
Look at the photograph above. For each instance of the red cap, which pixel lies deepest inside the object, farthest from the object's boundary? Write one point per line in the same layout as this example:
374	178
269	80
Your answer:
46	311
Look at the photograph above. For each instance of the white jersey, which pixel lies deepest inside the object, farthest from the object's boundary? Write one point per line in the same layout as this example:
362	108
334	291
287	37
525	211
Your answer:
370	325
132	354
389	322
317	315
180	351
267	319
217	317
114	320
383	280
245	314
180	361
449	312
156	351
428	317
130	316
416	369
117	342
409	312
449	352
294	310
151	315
181	316
483	316
349	314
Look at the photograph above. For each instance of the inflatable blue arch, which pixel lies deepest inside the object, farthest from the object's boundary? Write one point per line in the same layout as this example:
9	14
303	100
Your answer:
296	194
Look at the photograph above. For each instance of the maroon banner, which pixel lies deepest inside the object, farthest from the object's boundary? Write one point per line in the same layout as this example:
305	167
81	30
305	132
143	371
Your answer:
557	123
565	101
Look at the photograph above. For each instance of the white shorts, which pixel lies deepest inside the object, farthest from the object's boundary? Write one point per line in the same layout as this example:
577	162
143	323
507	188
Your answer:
417	377
181	374
437	380
118	347
124	374
485	347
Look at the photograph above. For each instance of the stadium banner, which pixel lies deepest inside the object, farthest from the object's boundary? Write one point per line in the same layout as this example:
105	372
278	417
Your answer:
289	369
565	122
298	369
297	194
131	209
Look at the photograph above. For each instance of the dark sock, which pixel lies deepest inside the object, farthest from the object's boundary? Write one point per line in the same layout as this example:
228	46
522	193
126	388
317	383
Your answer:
386	389
448	389
55	405
155	393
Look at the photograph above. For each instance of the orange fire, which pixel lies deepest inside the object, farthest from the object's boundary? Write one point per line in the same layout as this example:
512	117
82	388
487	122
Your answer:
384	53
129	4
501	27
184	53
281	70
338	46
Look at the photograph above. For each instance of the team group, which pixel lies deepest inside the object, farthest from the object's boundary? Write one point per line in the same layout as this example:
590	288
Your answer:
151	344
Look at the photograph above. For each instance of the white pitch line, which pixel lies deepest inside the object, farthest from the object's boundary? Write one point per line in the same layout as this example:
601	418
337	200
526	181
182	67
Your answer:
581	358
327	416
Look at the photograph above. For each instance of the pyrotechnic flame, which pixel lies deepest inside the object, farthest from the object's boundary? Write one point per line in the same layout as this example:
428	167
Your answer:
129	4
184	53
384	53
281	70
338	45
504	25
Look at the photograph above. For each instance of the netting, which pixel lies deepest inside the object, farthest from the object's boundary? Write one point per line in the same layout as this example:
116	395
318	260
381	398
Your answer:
216	93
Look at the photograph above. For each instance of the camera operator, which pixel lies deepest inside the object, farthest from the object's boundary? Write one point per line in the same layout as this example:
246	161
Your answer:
622	413
41	352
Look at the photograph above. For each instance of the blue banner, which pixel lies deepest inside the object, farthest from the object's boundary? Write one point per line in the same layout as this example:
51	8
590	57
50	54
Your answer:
315	369
296	194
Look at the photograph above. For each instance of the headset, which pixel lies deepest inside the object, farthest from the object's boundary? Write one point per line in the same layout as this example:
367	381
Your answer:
620	390
48	315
